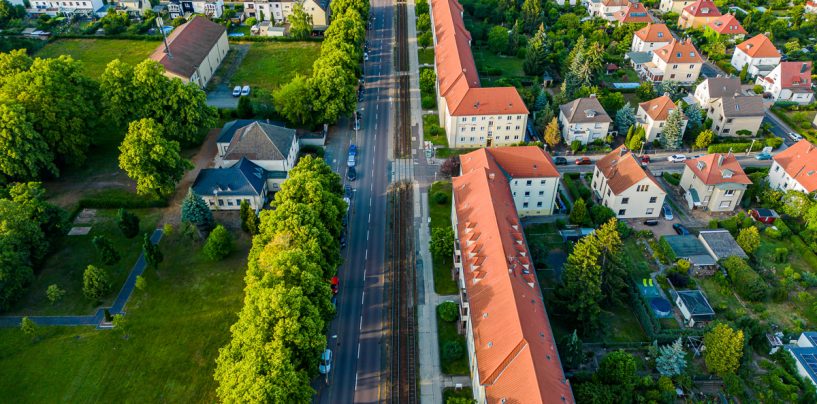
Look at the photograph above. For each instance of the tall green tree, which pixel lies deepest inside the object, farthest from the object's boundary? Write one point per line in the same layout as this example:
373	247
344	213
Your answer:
531	15
673	136
128	223
300	22
195	210
625	118
95	282
579	214
671	360
27	153
498	40
294	101
104	247
581	283
724	349
614	272
153	256
442	241
150	159
219	244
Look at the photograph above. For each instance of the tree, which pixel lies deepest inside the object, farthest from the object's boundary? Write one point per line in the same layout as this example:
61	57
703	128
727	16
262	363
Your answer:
244	108
451	166
121	323
694	117
153	256
571	351
29	328
704	139
618	368
105	249
54	293
552	133
459	400
531	14
671	360
793	46
579	214
795	203
195	210
612	102
245	213
536	55
625	118
724	348
581	283
128	223
333	85
448	311
645	91
673	135
428	81
150	159
219	244
744	72
452	350
294	101
498	39
28	155
95	282
300	22
671	88
613	270
425	39
601	214
638	138
442	241
423	22
749	239
141	283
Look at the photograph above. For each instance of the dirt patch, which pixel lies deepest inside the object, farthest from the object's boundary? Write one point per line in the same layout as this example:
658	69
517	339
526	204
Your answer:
203	158
86	216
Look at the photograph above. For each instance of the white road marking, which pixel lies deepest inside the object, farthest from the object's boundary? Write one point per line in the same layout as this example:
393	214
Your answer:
356	380
375	126
359	327
370	217
361	303
367	235
365	257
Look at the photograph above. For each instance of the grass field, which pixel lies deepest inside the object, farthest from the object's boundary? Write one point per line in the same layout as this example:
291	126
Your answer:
73	254
441	217
268	65
432	121
95	54
509	65
426	56
175	328
448	332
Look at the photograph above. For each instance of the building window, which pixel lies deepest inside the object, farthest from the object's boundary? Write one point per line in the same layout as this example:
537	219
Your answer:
625	201
527	193
653	199
622	212
541	193
230	202
539	204
529	182
542	182
221	202
608	192
729	192
776	168
525	205
725	204
649	211
642	188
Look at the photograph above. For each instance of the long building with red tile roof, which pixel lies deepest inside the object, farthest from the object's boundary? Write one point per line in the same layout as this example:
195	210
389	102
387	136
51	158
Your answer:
795	168
194	51
473	116
512	351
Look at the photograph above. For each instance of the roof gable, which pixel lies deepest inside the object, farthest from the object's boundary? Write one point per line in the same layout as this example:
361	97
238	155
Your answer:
623	171
800	162
716	168
659	108
260	142
585	110
759	46
654	33
702	8
727	24
679	52
189	45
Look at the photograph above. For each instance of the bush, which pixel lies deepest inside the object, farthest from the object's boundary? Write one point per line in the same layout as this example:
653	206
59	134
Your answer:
219	244
771	232
781	254
429	102
448	311
730	224
440	198
746	281
774	142
713	224
735	147
784	229
575	146
672	178
95	282
452	350
128	223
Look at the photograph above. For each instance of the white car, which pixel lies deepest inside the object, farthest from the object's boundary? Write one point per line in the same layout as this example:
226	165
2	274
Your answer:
677	158
351	161
326	362
236	91
795	137
245	90
366	56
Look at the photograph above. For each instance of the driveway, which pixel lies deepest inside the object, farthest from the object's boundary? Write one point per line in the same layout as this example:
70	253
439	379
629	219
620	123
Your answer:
222	97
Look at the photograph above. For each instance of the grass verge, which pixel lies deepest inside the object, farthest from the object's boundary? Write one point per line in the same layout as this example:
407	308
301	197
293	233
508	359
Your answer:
431	123
95	54
268	65
425	56
440	214
448	332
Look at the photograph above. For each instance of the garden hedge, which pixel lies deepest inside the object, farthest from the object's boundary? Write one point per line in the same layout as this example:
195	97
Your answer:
746	281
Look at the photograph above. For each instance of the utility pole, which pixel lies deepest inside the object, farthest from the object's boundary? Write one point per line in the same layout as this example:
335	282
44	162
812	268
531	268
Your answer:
161	25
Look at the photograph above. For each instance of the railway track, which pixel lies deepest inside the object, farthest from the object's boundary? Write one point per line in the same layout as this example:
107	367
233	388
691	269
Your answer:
402	145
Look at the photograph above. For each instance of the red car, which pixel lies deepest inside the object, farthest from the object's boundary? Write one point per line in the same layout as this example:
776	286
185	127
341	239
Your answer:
645	159
335	283
582	161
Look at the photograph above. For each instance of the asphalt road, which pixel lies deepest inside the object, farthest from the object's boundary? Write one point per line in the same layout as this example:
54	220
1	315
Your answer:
660	164
357	332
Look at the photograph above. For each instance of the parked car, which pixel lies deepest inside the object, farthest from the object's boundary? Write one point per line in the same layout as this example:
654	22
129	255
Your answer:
667	212
326	362
245	90
352	150
763	156
677	158
351	161
347	191
236	91
351	174
335	284
583	161
651	222
795	137
560	161
645	159
680	229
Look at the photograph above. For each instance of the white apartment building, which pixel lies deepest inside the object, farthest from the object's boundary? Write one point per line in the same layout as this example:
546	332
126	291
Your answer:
789	81
72	7
185	8
584	119
759	53
279	11
652	115
621	184
651	37
795	168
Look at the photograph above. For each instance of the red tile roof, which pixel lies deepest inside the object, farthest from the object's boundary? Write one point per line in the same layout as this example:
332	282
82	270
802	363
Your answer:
795	75
516	353
654	33
457	73
727	24
800	162
659	108
189	45
711	170
519	161
622	170
759	46
702	8
634	13
679	52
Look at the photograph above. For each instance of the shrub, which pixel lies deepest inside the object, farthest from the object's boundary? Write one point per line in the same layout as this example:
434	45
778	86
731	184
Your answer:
219	244
448	311
429	102
95	282
104	247
781	254
672	178
735	147
713	224
452	350
784	229
575	146
774	142
771	232
54	293
128	223
746	281
440	198
141	283
730	224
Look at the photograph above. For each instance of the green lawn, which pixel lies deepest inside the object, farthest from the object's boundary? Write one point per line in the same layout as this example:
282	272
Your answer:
448	332
73	254
624	75
445	152
799	255
441	217
95	54
176	327
619	324
433	121
509	65
268	65
426	56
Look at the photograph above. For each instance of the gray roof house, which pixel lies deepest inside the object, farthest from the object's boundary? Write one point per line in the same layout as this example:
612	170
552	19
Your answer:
584	120
226	187
273	147
743	105
693	305
720	244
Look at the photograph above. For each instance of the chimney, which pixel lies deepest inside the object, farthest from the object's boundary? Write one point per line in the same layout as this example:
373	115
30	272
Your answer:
666	93
491	176
622	152
720	160
593	95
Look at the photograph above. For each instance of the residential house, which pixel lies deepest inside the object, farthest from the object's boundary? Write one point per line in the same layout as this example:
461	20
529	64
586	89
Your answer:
789	81
584	119
512	353
674	6
274	148
473	116
606	8
266	28
698	14
652	115
185	8
715	88
195	50
225	188
69	8
714	182
727	26
621	184
811	7
693	306
278	11
804	352
634	13
677	61
731	115
134	8
651	37
758	53
795	168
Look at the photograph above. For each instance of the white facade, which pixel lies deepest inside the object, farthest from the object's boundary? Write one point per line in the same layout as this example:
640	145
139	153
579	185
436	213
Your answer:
52	8
279	11
654	128
639	45
675	6
779	179
210	8
641	200
233	202
482	130
583	132
534	196
756	65
597	8
772	84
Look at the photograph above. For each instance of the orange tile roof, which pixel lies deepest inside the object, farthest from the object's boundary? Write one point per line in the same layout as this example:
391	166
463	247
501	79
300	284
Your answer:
659	108
634	13
727	24
622	170
516	353
800	162
457	73
189	45
654	33
759	46
712	171
520	161
702	8
679	52
615	3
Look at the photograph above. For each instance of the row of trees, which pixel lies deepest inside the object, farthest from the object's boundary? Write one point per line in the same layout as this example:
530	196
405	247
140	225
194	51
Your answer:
279	334
331	91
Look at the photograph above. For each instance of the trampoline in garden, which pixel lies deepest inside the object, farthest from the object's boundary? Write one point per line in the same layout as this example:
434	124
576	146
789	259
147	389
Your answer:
647	288
662	307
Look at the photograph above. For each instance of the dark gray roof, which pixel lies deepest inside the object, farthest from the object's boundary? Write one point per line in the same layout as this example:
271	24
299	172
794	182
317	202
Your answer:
229	128
260	141
585	110
695	302
243	178
721	243
640	57
743	105
690	248
723	86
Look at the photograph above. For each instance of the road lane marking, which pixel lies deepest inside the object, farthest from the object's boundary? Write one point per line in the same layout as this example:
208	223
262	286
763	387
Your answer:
359	327
370	217
371	188
361	303
355	381
365	257
375	126
367	235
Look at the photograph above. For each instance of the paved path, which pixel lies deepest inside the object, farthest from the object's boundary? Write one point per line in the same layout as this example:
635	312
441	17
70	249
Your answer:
95	319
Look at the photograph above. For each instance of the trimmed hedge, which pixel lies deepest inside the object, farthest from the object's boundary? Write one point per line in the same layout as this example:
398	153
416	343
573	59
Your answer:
672	178
747	282
119	198
665	249
736	147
